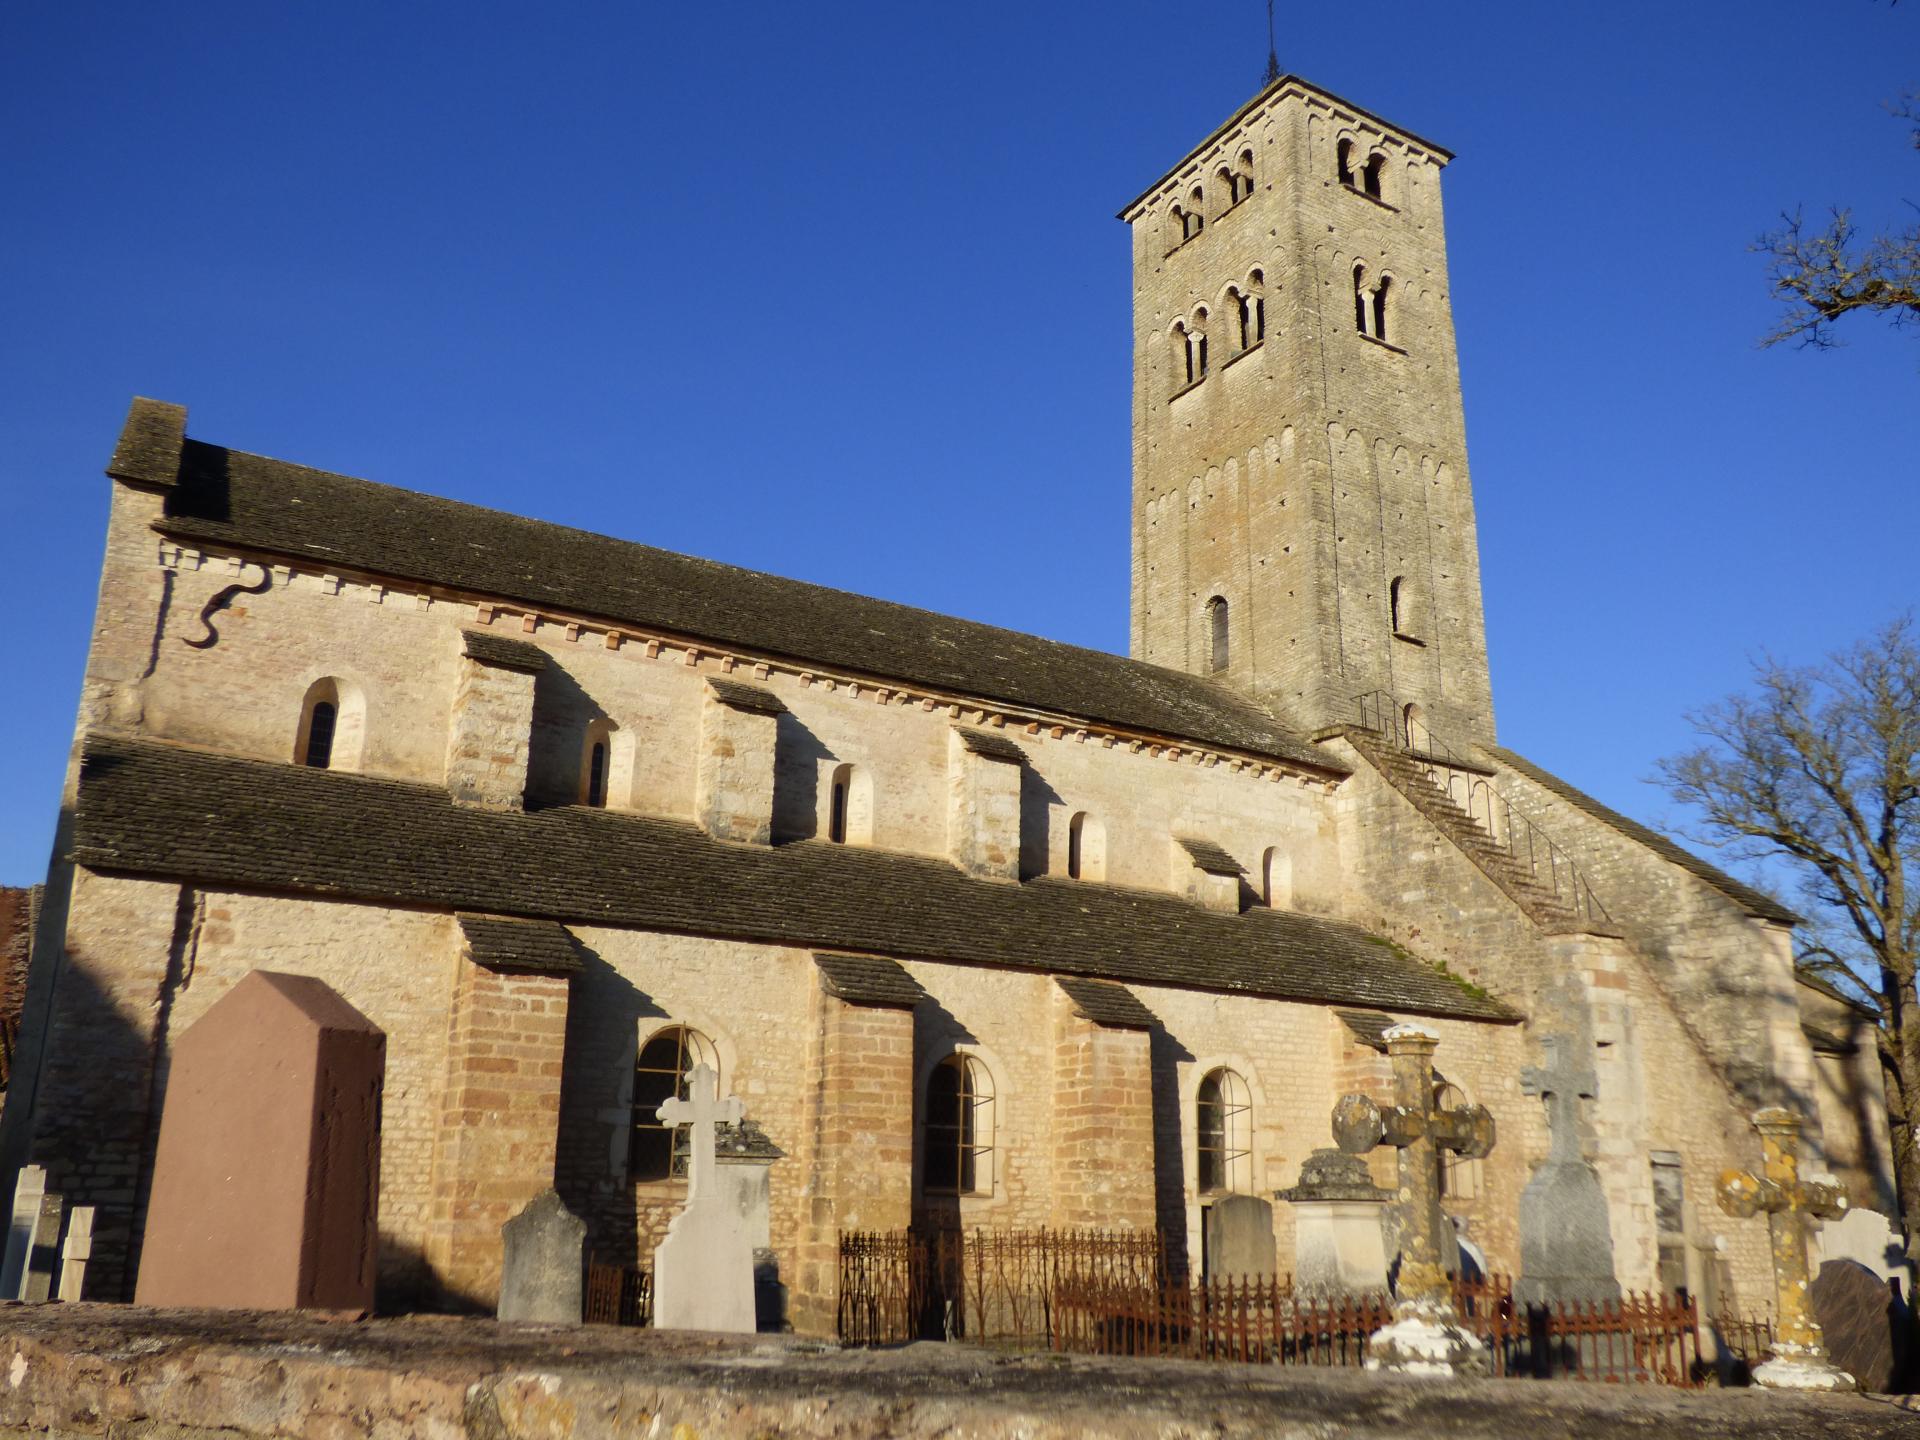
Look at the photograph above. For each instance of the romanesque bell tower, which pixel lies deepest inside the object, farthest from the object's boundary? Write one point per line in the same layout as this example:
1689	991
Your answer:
1302	522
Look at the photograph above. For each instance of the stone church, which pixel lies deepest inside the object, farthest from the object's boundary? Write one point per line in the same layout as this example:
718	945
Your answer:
983	929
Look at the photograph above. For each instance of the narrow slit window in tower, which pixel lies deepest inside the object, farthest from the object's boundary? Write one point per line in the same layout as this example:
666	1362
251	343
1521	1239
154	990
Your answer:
1217	630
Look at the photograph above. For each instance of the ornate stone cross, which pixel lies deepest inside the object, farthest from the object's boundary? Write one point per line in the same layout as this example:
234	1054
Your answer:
1562	1083
1792	1206
1425	1337
700	1112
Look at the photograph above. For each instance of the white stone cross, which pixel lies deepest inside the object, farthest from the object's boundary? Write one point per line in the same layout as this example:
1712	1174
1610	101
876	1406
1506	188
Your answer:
699	1112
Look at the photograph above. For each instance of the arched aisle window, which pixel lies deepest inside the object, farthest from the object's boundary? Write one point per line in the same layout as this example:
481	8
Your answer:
1460	1178
850	806
333	724
1223	1127
959	1157
658	1151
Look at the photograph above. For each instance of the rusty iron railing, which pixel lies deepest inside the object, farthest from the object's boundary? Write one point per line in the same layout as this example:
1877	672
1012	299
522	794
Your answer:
618	1295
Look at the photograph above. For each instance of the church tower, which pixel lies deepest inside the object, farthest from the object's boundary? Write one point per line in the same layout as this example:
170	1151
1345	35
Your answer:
1302	522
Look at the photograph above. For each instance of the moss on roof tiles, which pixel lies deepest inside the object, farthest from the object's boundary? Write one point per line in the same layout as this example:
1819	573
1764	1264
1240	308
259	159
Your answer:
228	497
154	809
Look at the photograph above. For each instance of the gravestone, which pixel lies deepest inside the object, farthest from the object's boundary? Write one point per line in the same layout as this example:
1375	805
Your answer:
43	1252
1868	1238
543	1264
28	1186
266	1180
1240	1239
703	1269
1339	1245
75	1251
1566	1242
1864	1325
743	1160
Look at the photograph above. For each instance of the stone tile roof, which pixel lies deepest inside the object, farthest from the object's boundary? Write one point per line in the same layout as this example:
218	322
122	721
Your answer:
154	809
508	654
497	942
148	451
1209	856
1745	896
1369	1027
994	747
1106	1003
229	498
741	696
869	980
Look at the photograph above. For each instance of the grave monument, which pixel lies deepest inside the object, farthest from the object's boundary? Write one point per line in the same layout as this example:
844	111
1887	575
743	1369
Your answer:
1425	1336
1240	1243
266	1181
1792	1206
703	1269
543	1264
1339	1245
1566	1244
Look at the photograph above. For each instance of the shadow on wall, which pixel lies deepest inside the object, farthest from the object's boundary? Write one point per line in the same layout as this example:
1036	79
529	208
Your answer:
798	758
562	715
1037	799
604	1017
1165	1056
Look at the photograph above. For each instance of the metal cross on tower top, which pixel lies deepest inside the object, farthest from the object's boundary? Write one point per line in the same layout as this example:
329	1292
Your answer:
700	1112
1792	1206
1273	55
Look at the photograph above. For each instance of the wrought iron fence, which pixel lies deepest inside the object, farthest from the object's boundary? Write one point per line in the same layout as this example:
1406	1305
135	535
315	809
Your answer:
994	1286
1249	1321
618	1295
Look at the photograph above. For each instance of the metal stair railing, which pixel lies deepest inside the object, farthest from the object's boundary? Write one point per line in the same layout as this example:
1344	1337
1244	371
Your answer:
1495	816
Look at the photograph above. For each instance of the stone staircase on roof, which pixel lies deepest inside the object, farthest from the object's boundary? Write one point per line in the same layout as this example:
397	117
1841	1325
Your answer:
1508	849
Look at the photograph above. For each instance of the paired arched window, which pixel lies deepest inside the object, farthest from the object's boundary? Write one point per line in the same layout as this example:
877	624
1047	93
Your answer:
1343	160
1373	176
655	1149
332	725
958	1158
1460	1178
1086	848
1218	633
1223	1128
1237	178
1370	304
1190	344
1196	220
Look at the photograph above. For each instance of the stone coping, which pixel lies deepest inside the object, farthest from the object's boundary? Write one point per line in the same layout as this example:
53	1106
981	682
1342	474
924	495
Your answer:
100	1370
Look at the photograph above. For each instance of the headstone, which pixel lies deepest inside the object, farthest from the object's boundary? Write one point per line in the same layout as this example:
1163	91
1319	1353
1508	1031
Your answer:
1791	1205
1425	1336
1867	1238
266	1180
75	1251
743	1160
43	1252
28	1186
544	1263
1240	1239
1339	1243
703	1269
1864	1324
1566	1243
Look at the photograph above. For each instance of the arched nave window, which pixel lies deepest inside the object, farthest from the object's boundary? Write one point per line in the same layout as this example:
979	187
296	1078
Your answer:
959	1128
1460	1178
656	1150
1223	1128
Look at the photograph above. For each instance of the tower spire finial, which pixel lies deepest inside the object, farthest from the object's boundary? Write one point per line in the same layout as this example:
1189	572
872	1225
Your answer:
1273	55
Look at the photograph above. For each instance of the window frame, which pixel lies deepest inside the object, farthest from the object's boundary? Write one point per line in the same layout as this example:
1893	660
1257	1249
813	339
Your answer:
1232	1128
691	1047
969	1137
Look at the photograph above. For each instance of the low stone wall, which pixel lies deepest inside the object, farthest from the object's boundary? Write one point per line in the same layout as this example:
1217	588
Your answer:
132	1374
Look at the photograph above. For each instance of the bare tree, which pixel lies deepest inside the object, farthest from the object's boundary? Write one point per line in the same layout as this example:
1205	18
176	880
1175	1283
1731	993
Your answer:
1821	275
1820	766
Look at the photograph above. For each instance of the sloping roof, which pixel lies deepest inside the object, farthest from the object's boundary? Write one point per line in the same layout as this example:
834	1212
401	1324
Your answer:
1745	896
740	696
496	942
1369	1027
153	809
507	653
229	498
1209	856
1106	1003
869	980
992	746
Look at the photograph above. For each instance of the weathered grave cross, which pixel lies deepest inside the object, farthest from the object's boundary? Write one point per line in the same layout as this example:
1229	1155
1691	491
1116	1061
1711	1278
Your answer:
1792	1206
1425	1337
700	1112
1563	1083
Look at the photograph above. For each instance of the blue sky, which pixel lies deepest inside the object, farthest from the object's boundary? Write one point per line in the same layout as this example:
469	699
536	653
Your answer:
837	292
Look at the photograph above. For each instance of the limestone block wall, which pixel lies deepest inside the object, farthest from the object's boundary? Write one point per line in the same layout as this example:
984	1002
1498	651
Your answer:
1103	1136
1731	972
